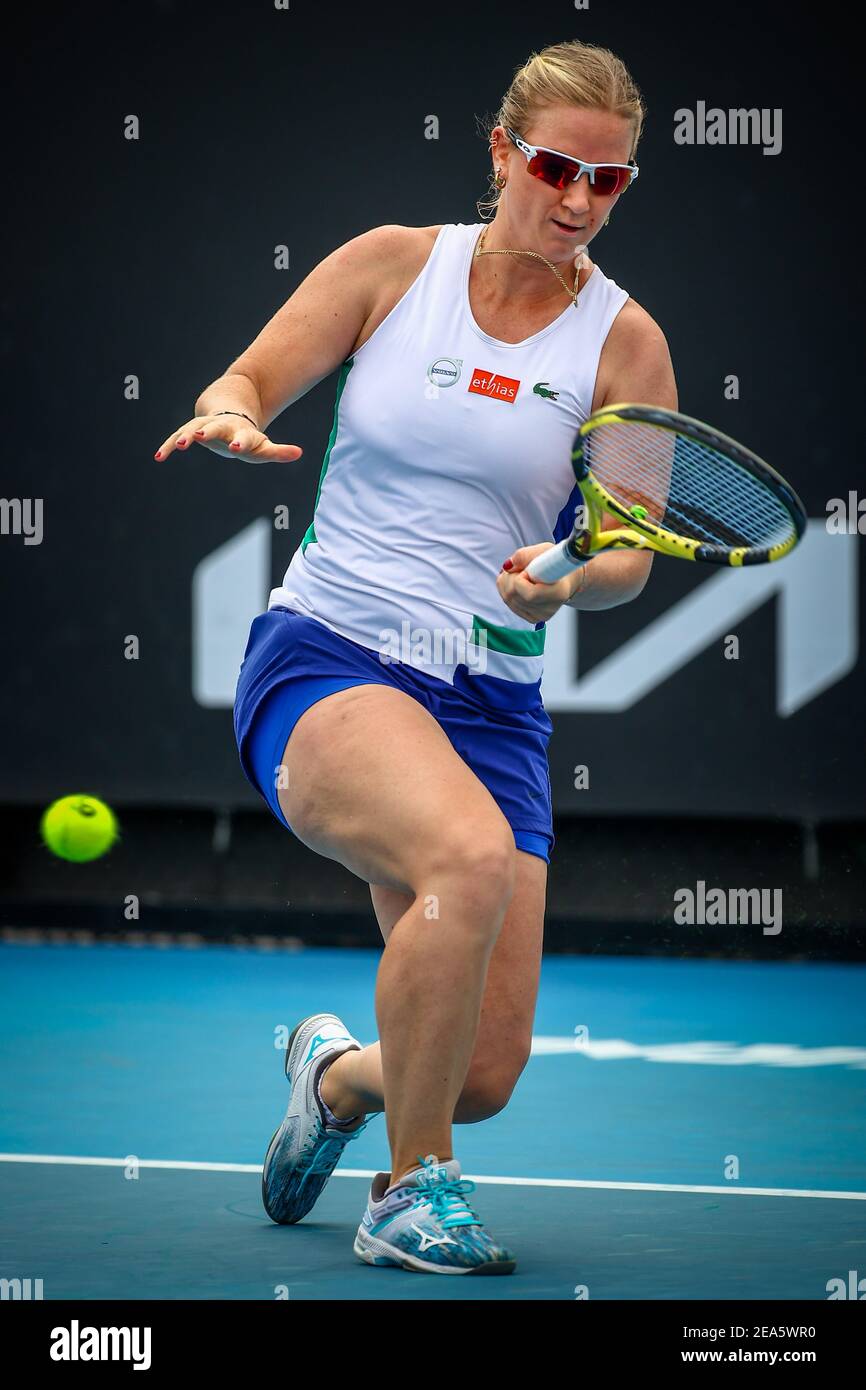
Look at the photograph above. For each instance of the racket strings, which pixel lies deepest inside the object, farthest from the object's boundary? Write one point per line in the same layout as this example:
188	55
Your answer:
686	486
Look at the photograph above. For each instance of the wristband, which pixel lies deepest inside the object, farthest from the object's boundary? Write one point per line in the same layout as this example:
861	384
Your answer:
237	412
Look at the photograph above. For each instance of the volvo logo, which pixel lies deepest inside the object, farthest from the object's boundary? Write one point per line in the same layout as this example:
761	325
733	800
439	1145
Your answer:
445	371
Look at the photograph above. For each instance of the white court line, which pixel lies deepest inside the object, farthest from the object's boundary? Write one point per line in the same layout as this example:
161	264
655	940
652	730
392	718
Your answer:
716	1054
473	1177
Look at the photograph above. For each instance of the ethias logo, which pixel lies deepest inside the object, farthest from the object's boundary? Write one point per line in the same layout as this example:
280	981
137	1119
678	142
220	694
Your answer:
500	388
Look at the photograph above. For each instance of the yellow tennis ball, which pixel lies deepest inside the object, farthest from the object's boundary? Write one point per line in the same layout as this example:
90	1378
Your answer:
79	828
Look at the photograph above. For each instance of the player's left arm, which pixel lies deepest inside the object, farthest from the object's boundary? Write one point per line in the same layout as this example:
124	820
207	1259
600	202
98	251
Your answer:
635	365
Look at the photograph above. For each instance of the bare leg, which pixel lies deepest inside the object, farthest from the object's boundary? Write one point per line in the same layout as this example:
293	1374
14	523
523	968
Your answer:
374	783
353	1084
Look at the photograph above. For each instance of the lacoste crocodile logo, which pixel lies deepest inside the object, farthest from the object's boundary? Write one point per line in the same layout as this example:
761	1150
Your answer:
540	389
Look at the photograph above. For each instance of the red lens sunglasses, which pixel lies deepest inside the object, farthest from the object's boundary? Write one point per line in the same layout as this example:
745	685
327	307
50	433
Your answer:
559	170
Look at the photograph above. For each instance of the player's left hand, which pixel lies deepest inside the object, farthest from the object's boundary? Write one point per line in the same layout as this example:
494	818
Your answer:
526	597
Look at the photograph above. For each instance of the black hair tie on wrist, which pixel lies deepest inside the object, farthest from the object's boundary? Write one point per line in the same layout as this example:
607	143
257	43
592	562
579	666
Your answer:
237	412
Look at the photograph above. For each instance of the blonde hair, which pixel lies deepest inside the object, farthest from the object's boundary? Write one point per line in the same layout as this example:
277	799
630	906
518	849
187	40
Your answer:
573	73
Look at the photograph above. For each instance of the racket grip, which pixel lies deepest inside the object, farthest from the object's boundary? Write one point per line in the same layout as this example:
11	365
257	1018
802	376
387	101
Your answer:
555	563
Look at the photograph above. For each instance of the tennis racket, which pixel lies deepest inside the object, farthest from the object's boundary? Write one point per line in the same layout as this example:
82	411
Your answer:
681	488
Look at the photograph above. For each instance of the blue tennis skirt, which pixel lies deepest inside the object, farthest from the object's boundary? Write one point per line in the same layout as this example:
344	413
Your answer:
292	661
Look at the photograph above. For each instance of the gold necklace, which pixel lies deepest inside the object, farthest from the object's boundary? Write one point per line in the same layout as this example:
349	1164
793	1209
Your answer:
578	262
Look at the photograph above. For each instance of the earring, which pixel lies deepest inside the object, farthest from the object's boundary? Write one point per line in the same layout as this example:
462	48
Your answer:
606	220
500	179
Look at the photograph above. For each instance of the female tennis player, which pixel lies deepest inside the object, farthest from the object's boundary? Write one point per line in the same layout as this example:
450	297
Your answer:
388	707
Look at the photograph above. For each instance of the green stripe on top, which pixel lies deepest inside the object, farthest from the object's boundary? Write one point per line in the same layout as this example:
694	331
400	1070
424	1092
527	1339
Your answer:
507	639
310	537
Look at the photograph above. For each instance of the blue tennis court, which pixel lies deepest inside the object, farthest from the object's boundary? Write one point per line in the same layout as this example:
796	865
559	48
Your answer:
141	1085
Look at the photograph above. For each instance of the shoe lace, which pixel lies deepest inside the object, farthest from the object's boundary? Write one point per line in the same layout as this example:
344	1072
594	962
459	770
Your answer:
328	1148
447	1197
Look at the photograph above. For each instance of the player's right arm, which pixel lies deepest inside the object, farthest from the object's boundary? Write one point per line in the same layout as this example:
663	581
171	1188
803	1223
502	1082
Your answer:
307	339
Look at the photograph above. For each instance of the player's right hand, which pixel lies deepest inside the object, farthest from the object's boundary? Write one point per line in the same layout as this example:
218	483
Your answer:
229	435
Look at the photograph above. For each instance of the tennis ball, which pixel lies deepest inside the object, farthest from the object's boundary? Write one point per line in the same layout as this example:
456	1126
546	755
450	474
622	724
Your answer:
638	512
79	828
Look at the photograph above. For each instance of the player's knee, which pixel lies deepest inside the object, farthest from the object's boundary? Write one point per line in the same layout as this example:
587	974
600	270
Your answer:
488	1088
479	863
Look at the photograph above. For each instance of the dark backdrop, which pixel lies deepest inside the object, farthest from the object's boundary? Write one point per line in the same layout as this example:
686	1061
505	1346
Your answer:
154	259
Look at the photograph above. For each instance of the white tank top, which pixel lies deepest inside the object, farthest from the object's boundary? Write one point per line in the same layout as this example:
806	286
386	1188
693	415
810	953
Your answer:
449	449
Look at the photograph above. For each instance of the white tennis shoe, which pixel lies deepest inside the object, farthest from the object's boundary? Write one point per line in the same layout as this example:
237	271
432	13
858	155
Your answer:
306	1148
424	1223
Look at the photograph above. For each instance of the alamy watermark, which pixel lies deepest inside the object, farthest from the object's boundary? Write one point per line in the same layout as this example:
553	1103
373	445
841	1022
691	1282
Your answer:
20	1290
851	1288
736	126
22	516
702	906
77	1343
846	516
436	646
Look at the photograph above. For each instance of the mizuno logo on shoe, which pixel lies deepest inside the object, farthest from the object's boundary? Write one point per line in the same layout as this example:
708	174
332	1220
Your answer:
318	1041
426	1240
